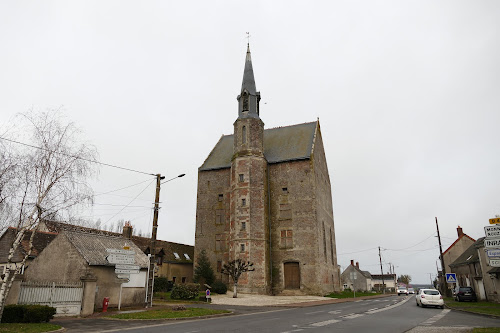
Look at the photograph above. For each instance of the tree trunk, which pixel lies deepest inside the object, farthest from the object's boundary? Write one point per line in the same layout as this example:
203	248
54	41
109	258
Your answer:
235	292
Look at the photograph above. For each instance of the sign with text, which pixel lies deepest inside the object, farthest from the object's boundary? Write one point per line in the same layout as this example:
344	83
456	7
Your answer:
496	220
120	251
493	243
495	262
493	253
126	271
492	231
120	259
134	267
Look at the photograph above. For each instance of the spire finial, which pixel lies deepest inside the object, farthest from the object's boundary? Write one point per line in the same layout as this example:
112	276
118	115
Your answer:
248	38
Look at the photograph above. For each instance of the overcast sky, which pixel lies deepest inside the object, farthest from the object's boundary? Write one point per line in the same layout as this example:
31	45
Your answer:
407	94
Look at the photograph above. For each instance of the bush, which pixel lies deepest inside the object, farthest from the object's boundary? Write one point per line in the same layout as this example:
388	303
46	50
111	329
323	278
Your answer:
23	313
162	284
219	287
185	291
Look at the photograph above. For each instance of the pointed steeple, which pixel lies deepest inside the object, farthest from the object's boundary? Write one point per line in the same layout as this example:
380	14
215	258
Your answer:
249	98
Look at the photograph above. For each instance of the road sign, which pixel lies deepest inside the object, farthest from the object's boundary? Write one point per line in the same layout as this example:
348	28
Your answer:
495	262
451	278
120	251
493	253
492	231
133	267
493	243
126	271
121	259
496	220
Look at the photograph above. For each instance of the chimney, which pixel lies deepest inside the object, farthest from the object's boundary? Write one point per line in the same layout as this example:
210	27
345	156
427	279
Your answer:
127	230
352	262
459	232
357	264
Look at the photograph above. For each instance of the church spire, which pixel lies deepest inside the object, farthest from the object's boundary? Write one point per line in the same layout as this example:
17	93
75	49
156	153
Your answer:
249	98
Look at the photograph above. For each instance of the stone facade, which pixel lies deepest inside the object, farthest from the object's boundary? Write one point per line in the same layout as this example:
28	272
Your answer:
265	196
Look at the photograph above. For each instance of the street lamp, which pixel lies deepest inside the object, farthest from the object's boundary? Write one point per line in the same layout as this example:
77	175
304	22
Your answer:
152	258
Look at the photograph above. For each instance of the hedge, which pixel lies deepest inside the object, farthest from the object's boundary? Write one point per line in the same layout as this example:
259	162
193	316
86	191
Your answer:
185	291
24	313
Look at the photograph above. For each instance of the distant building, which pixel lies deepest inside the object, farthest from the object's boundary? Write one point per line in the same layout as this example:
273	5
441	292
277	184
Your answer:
356	279
462	243
388	280
264	195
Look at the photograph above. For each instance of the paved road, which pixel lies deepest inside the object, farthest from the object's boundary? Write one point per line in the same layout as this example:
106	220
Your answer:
391	314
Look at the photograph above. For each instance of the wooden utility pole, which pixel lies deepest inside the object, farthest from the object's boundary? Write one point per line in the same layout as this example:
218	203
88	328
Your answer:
444	287
152	251
381	271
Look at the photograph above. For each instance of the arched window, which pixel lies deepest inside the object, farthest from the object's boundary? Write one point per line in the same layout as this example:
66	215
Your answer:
244	135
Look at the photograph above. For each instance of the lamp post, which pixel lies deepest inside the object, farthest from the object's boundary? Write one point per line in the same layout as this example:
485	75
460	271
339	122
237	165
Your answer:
152	258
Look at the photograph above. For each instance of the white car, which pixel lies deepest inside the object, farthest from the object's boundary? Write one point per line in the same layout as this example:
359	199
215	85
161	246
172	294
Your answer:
411	291
429	297
402	290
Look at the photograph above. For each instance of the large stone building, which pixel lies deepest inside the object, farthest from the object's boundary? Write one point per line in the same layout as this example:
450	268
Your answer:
265	196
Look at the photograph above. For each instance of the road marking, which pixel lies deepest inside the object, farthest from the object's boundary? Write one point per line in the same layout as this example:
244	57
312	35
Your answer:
388	306
356	315
324	323
372	309
432	320
314	312
347	315
335	312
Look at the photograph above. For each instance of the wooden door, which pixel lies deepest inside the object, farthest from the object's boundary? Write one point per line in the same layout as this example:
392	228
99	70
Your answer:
292	275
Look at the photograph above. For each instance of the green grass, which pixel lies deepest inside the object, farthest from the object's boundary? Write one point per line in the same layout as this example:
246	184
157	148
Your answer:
489	308
350	294
169	314
27	328
486	330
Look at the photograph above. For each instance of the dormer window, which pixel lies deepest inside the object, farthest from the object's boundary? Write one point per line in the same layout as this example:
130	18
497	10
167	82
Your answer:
176	255
187	256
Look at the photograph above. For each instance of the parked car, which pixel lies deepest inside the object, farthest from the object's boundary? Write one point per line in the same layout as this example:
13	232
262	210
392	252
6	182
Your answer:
411	291
402	290
465	294
429	297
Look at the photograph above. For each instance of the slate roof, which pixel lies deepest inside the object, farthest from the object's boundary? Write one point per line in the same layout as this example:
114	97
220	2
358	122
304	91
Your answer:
93	247
281	144
40	241
165	248
468	256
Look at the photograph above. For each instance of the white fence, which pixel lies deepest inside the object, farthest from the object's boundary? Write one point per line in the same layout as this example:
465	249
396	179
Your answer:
66	298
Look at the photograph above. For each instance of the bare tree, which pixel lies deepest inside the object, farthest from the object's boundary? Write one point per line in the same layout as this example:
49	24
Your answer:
49	179
234	269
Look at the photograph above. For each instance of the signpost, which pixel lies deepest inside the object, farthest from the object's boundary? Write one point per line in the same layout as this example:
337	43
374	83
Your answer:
496	220
493	253
493	243
492	231
495	262
451	278
124	260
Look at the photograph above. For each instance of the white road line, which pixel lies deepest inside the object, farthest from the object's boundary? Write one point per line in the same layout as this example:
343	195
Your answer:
432	320
372	309
324	323
314	312
347	315
387	307
335	312
356	315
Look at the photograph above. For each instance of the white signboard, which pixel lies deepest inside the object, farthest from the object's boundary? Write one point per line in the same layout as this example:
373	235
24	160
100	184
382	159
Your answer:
493	253
493	243
123	276
126	271
134	267
492	231
120	251
495	262
121	259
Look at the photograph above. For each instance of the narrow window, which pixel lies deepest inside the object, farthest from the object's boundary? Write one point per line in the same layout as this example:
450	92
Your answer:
159	260
243	225
183	279
242	177
219	216
243	202
285	190
245	102
244	135
287	239
173	279
219	242
242	247
331	246
324	243
219	266
221	196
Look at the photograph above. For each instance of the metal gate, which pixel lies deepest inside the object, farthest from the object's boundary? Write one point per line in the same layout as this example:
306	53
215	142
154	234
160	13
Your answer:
66	298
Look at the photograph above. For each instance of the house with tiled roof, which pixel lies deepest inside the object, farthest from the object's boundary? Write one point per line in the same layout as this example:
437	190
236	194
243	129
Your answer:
40	241
173	260
459	246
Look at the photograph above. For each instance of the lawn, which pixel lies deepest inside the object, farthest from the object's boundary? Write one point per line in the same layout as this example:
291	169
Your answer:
169	313
350	294
476	307
27	328
486	330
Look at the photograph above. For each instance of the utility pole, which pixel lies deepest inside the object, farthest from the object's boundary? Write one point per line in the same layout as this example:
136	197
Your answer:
381	271
444	287
152	258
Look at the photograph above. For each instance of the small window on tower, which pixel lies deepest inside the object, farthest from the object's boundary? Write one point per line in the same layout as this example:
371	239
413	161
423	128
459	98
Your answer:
243	202
219	266
245	101
221	197
244	135
285	190
242	177
243	225
242	247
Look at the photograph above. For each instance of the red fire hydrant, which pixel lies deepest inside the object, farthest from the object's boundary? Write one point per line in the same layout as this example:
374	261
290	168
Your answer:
105	303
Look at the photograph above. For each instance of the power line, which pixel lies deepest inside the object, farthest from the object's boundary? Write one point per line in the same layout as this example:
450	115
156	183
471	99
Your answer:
77	157
147	180
340	254
409	247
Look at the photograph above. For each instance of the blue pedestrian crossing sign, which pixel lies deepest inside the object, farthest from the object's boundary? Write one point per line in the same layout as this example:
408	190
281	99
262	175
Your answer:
451	278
